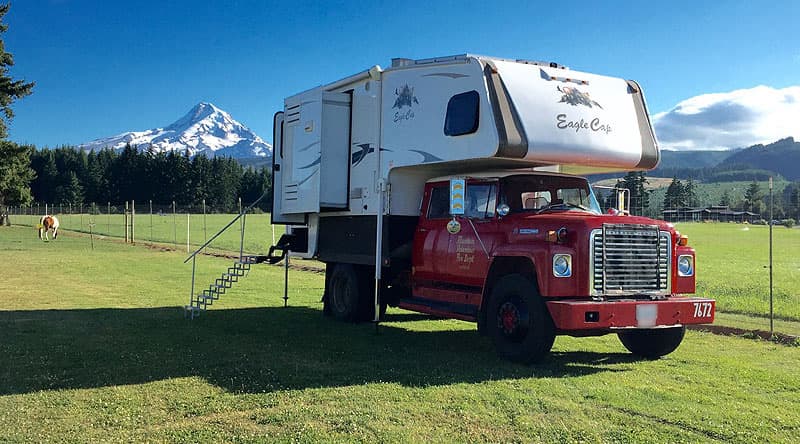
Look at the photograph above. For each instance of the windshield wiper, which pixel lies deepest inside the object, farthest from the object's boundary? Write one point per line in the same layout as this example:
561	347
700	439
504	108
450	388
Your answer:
562	205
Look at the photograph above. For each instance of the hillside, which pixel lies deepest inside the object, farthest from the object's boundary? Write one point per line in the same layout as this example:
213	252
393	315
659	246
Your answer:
758	162
782	157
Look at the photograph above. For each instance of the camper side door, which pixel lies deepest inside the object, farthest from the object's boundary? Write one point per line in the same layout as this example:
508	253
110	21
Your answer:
277	176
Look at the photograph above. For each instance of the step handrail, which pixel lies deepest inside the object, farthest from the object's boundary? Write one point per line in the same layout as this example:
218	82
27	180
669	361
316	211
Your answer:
242	213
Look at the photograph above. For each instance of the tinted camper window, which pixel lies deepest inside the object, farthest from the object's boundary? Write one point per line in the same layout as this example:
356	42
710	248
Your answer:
462	114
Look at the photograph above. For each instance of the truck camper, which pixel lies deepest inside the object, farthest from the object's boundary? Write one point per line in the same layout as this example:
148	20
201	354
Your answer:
453	186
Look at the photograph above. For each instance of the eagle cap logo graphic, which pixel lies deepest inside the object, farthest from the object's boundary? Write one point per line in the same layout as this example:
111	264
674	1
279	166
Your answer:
575	97
405	97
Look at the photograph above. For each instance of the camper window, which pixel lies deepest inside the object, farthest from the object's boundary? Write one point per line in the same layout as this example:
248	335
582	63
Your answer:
462	114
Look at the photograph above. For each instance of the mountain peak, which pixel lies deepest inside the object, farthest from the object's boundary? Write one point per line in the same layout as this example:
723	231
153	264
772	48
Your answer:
200	112
205	129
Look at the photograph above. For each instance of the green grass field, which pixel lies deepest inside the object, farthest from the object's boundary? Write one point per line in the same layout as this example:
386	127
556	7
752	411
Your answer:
172	229
95	348
733	267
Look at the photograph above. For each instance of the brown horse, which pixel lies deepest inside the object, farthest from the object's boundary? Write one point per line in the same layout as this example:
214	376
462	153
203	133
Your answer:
47	223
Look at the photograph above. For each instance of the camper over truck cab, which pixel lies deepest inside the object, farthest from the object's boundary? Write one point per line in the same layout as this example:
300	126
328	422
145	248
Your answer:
452	186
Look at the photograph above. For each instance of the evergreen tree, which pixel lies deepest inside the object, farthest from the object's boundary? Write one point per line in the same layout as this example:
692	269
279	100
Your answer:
753	198
725	200
690	194
791	200
675	195
635	181
48	179
10	89
70	193
15	174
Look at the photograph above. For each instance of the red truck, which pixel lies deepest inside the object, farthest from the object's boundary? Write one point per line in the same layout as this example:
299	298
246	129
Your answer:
450	186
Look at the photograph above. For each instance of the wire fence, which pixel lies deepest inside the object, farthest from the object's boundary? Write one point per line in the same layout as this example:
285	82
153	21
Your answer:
752	270
181	227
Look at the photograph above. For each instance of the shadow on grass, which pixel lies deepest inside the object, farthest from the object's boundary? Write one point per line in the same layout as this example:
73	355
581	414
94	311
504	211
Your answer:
250	350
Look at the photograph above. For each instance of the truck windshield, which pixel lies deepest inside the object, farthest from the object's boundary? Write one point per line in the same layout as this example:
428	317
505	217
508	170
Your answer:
543	193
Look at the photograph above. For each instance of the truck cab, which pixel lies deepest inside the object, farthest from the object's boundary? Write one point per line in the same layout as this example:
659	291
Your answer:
533	256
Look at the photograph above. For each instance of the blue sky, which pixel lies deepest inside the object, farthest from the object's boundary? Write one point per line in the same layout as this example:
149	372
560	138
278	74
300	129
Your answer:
105	67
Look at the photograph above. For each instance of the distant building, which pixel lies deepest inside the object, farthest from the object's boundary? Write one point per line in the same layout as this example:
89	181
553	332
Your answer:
714	213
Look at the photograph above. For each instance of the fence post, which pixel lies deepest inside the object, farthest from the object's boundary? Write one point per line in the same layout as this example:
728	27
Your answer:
133	222
108	215
205	231
187	232
174	226
81	215
125	221
151	220
771	327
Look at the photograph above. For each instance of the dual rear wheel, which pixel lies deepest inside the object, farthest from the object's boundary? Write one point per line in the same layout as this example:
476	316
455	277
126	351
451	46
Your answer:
350	293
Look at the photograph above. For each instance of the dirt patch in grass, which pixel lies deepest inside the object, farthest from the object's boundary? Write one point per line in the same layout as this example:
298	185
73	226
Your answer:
779	338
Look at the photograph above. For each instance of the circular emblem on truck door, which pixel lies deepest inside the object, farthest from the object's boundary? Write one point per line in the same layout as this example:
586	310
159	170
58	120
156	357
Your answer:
453	227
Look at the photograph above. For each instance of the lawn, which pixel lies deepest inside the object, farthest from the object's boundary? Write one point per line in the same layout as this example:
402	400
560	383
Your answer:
95	348
172	229
733	267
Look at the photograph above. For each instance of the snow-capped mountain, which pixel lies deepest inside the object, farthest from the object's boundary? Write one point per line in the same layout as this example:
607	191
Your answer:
205	129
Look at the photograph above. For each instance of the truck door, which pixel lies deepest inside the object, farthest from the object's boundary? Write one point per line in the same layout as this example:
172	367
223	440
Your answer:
449	263
468	250
431	243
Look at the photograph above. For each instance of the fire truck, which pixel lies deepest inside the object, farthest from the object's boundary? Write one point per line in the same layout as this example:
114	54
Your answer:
455	186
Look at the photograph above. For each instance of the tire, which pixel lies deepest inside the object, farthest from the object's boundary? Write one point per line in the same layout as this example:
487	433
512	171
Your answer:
652	343
344	301
349	294
518	322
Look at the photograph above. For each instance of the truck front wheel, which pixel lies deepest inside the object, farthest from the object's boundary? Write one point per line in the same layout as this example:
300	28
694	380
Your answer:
518	321
652	343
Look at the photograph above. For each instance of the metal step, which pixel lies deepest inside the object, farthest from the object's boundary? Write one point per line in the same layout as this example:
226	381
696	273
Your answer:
200	302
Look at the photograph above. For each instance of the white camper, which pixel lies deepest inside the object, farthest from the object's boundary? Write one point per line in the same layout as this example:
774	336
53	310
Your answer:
366	144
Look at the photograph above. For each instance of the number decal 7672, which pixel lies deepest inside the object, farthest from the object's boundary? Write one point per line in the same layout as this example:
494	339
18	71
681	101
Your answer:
702	309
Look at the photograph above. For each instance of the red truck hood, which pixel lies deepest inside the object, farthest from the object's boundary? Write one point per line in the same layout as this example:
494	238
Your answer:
580	219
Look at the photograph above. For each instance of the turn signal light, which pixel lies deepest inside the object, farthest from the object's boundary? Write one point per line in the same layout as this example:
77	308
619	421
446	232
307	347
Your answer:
683	240
559	235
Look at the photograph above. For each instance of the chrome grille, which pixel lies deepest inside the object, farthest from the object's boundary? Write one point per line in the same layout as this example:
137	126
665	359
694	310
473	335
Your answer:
629	259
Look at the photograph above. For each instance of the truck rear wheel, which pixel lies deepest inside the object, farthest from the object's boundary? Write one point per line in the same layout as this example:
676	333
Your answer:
652	343
346	295
518	321
349	293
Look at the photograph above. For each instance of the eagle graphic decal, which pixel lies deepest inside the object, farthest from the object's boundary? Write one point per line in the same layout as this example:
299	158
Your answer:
405	97
575	97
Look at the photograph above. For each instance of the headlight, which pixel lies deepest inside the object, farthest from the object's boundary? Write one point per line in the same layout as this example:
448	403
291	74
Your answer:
562	265
685	265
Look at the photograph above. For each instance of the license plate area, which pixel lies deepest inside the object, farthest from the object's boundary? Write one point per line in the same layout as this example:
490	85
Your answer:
646	315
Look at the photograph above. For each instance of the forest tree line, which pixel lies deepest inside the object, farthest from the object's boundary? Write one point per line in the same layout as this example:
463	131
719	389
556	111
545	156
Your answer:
68	176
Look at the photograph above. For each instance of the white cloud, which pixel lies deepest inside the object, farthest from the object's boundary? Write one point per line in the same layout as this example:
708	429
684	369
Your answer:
731	120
